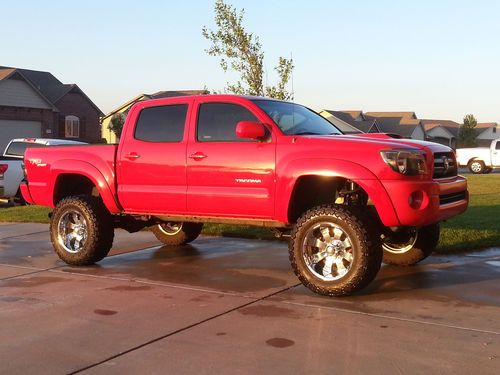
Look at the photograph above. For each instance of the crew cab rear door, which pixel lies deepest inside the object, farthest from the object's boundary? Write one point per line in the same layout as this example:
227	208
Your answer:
228	176
151	170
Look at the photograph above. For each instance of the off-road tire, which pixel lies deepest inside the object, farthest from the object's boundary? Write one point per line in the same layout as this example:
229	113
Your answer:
187	232
425	244
366	250
476	166
99	229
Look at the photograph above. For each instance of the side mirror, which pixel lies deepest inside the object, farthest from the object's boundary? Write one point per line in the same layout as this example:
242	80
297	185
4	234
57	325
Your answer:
250	130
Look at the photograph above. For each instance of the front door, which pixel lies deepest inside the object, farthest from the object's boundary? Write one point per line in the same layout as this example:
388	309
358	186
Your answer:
152	161
228	176
495	154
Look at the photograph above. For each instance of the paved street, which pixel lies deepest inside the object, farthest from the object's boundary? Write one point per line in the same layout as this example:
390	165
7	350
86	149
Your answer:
231	306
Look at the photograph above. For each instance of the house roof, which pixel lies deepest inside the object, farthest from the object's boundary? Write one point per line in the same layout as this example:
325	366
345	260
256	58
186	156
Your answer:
46	84
344	126
156	95
406	118
486	125
364	126
451	126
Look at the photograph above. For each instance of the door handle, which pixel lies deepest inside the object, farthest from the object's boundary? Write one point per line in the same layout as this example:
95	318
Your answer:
132	156
197	156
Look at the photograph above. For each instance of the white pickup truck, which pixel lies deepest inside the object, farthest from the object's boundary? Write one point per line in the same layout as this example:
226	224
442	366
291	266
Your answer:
11	163
480	159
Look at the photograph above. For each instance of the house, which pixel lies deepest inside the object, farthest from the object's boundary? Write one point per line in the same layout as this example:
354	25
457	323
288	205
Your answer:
487	131
351	122
110	137
36	104
442	131
405	124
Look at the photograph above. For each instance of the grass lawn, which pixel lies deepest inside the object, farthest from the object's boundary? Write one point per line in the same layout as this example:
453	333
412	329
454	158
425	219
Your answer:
477	228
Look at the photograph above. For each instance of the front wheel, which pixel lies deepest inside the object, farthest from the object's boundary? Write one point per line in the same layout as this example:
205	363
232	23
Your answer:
409	246
331	251
177	233
81	230
476	166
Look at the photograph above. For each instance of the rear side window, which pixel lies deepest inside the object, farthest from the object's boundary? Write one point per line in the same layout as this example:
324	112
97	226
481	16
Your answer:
497	147
19	148
161	124
217	122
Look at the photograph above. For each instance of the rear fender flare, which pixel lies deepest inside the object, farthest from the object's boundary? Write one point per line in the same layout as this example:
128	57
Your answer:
105	186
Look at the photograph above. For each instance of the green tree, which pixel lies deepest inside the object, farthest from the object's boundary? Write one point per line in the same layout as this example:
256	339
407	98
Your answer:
468	133
116	124
242	52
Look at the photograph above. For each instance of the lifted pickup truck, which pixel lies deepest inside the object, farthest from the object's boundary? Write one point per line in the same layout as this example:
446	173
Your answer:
480	159
347	202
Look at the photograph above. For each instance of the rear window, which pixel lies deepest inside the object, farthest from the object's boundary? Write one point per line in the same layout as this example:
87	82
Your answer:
19	148
161	124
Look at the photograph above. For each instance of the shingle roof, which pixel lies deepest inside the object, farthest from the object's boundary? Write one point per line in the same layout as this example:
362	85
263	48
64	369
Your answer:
350	117
47	85
485	125
406	118
452	126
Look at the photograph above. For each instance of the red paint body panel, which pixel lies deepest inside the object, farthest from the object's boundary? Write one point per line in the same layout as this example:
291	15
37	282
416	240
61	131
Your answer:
241	180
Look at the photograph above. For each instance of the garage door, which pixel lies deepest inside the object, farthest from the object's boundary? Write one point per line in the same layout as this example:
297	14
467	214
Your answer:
10	129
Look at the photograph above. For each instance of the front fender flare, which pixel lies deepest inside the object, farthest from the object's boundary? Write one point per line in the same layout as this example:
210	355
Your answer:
289	174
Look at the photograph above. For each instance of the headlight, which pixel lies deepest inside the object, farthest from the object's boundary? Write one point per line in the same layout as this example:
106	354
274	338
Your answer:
409	163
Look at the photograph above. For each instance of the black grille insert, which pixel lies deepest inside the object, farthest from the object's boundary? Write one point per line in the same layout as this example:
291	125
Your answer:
445	165
454	197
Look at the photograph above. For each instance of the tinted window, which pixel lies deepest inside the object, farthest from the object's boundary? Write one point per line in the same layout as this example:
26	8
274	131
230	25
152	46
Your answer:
497	147
19	148
161	124
217	122
294	119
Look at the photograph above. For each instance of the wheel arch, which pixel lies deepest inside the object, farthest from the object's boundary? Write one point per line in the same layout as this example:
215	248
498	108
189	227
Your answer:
74	177
329	174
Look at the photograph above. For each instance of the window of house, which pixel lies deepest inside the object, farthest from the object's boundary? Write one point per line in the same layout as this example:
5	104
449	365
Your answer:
72	127
217	122
494	129
161	124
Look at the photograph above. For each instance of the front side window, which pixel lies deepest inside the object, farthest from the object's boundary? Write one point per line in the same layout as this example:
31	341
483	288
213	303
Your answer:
71	127
294	119
162	123
217	122
497	147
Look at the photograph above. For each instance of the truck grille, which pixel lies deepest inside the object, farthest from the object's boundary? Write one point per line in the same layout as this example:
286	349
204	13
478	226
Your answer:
445	165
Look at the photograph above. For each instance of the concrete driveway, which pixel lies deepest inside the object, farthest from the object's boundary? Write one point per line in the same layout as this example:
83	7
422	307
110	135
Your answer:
231	306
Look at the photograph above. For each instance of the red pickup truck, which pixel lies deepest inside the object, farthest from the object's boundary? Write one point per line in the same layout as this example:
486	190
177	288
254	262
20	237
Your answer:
347	202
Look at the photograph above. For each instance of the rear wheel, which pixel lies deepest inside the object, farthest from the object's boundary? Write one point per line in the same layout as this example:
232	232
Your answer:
81	230
331	251
409	246
476	166
177	233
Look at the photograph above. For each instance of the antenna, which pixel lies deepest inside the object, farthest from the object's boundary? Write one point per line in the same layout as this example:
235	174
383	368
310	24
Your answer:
291	59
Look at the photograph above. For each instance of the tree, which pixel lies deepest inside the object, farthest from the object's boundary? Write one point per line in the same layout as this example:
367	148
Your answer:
468	133
242	52
116	124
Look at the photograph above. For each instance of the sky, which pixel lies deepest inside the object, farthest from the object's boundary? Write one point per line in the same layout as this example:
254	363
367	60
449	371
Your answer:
438	58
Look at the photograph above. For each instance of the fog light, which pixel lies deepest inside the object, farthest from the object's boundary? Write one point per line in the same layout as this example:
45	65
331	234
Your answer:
417	200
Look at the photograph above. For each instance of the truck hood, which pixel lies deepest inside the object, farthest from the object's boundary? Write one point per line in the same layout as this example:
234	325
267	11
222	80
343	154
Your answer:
381	141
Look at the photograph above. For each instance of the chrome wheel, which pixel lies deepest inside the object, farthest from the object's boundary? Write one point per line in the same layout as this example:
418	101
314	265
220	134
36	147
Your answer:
400	242
327	251
72	231
476	167
170	228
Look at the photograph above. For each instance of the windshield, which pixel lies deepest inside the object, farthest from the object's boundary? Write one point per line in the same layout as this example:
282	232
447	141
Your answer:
294	119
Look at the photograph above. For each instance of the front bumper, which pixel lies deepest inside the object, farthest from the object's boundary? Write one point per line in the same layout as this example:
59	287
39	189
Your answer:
420	203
